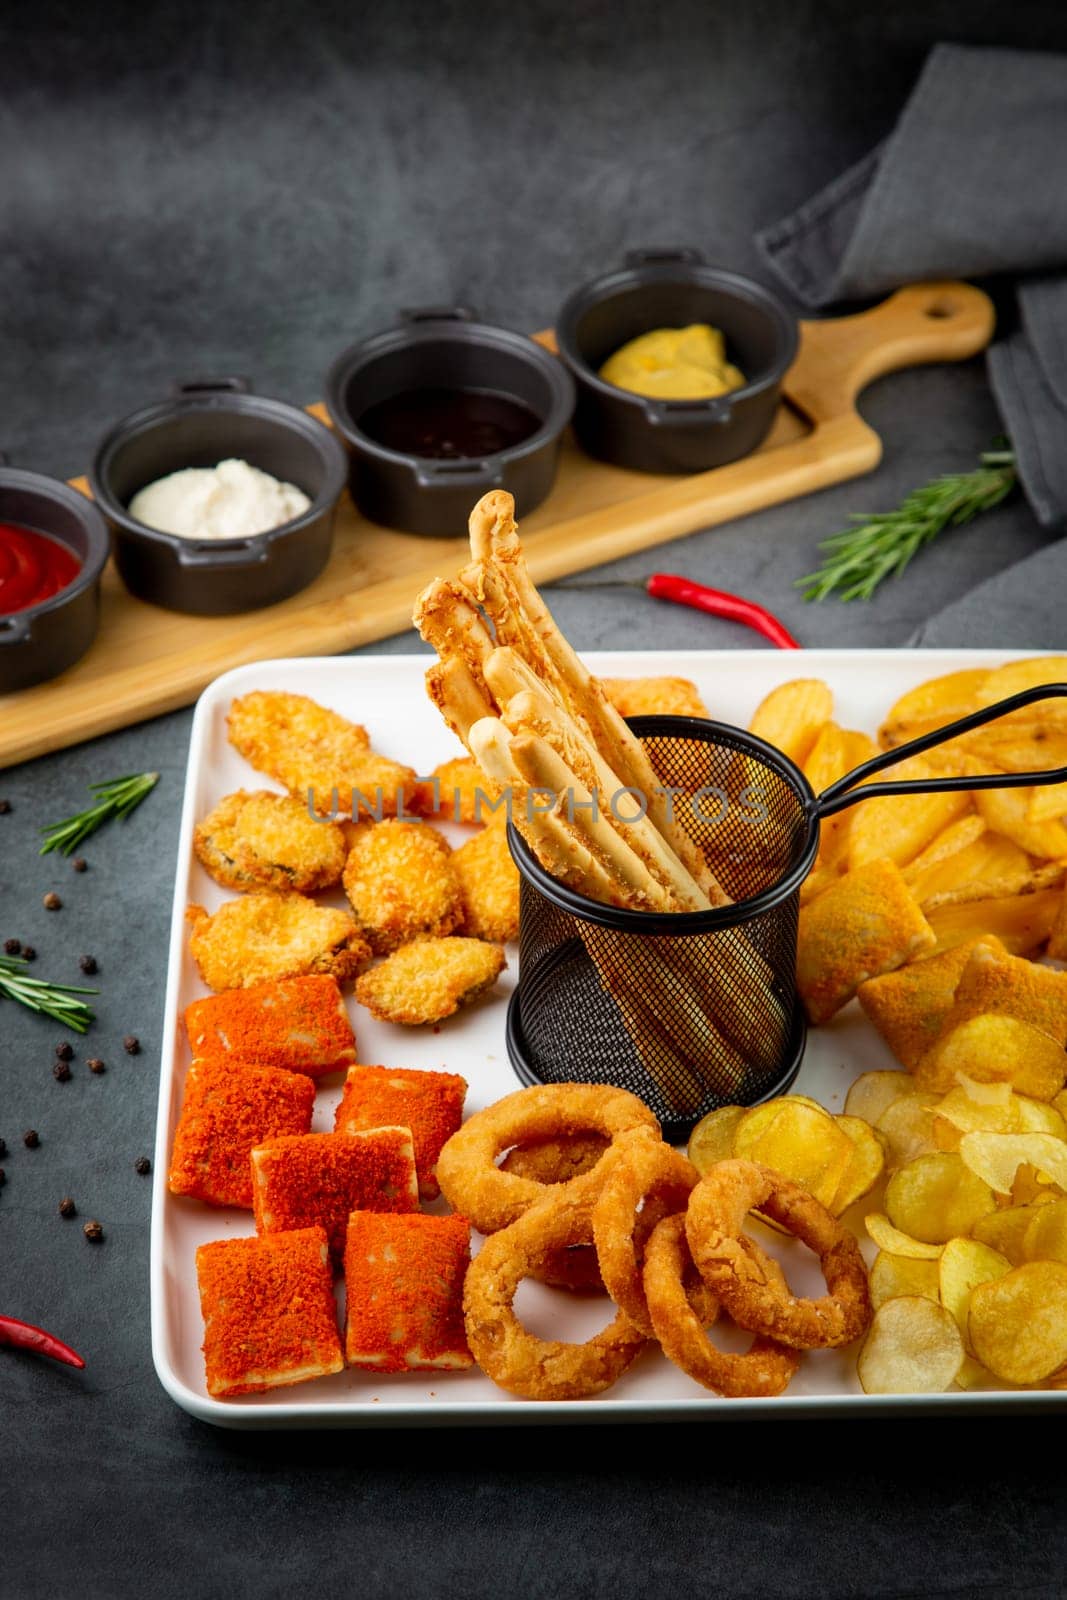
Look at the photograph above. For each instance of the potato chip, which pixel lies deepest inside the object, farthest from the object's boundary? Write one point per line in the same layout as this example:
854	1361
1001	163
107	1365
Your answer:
995	1048
964	1109
1029	747
1018	1323
908	1124
1039	1116
1045	1238
931	705
1005	1231
873	1092
964	1264
866	1164
990	859
792	715
712	1140
897	827
1030	1187
972	1375
894	1276
913	1347
936	1197
1022	922
895	1243
994	1158
800	1140
1007	811
865	924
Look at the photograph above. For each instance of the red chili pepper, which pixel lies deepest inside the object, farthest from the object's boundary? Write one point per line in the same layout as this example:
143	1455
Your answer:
24	1336
718	603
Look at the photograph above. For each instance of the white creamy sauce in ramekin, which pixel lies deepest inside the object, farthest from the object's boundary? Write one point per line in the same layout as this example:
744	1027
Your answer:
230	501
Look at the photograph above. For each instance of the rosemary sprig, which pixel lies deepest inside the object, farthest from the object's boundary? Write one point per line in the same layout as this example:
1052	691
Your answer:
117	798
880	546
51	999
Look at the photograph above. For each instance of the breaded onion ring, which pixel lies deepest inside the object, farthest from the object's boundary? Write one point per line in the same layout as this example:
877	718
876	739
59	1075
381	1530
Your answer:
663	1180
539	1369
736	1271
492	1198
556	1160
764	1369
551	1161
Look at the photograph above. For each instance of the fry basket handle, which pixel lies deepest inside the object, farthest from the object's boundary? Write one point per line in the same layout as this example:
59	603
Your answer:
842	794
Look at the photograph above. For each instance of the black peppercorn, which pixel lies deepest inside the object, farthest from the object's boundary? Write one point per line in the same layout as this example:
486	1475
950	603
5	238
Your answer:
3	1147
67	1208
65	1051
5	807
12	947
3	1177
95	1064
142	1165
79	863
31	1138
61	1072
29	953
93	1232
87	964
131	1044
52	902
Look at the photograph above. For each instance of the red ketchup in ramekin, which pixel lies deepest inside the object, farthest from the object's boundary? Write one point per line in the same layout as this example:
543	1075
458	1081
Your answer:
33	568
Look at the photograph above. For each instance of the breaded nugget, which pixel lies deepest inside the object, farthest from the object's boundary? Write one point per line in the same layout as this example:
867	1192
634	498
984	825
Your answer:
304	1180
429	980
457	791
269	1312
654	697
401	884
429	1103
300	1024
268	841
308	748
404	1301
265	936
228	1109
489	885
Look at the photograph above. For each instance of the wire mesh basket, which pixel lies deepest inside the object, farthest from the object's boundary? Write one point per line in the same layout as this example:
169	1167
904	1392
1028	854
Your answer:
693	1010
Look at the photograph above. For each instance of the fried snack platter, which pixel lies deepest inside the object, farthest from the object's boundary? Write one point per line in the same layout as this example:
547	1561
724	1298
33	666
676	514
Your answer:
386	694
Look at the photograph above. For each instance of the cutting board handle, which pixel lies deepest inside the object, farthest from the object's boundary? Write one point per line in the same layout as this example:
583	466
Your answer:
924	322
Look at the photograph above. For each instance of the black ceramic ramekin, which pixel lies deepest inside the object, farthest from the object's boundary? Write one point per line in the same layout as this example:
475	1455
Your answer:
202	424
671	289
44	640
447	349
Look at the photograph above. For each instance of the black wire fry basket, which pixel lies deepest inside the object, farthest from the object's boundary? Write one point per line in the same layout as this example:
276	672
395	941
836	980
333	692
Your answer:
694	1010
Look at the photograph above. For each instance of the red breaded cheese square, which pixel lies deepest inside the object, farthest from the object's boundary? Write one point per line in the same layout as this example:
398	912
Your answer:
322	1177
269	1312
429	1103
228	1109
300	1024
404	1290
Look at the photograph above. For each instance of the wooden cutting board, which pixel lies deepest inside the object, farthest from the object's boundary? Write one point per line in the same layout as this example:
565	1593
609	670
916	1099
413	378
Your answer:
146	660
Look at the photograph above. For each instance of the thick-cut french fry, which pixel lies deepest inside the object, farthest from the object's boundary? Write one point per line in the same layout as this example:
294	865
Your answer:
1006	811
1057	944
898	827
1028	880
1048	802
1022	922
792	716
1015	676
966	852
932	705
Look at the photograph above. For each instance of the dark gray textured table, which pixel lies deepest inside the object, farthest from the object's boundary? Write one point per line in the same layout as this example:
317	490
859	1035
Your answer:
212	190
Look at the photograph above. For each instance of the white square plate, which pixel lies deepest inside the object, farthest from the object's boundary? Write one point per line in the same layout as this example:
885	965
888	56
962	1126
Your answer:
386	695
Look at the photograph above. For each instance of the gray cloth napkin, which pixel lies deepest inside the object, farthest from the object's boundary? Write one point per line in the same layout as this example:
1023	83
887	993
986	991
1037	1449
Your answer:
972	182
